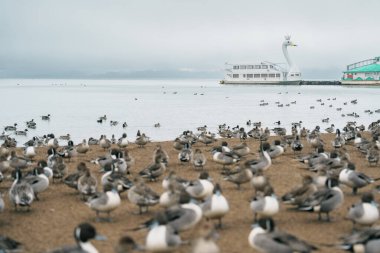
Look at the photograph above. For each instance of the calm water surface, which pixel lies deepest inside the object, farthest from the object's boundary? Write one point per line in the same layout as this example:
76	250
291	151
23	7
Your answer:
178	105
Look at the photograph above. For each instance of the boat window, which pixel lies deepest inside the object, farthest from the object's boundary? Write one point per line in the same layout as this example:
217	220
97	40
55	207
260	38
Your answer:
236	67
243	67
257	66
271	66
277	75
257	75
297	74
235	76
272	75
243	75
264	75
291	74
249	75
250	67
264	66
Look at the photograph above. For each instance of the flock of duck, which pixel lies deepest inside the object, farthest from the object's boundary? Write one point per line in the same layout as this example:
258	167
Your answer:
185	203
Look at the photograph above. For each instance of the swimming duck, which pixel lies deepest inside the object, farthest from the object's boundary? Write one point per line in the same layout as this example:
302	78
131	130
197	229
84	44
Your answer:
267	205
198	159
123	141
215	206
365	212
330	129
87	183
353	179
200	188
45	117
264	238
325	200
299	194
241	176
105	202
65	137
11	128
83	233
21	193
142	195
93	141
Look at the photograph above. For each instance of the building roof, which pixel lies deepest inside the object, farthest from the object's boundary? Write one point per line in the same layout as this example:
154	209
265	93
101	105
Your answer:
368	68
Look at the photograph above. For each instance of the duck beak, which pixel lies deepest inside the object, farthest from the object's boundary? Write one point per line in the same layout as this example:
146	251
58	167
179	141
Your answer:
100	238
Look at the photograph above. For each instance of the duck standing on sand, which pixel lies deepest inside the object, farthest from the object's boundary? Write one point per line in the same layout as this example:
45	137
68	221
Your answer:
105	202
21	193
365	212
198	159
264	238
142	195
215	206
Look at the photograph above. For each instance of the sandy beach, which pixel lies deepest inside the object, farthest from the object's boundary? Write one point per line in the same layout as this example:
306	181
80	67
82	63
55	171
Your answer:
51	221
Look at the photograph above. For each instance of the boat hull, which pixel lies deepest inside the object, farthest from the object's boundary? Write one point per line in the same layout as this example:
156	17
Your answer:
249	82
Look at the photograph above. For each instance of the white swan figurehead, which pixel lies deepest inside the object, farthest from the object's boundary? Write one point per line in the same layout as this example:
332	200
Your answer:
293	74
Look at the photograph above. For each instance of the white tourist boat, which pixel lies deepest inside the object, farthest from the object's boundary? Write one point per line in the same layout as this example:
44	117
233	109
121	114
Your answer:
264	72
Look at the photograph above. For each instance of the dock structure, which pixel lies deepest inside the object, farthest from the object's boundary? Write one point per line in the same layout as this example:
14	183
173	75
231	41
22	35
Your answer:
365	72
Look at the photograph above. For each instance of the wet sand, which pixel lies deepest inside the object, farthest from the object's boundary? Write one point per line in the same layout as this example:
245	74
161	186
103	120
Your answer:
51	221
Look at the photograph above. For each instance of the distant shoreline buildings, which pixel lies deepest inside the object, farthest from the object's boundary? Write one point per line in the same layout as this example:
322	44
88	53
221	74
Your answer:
365	72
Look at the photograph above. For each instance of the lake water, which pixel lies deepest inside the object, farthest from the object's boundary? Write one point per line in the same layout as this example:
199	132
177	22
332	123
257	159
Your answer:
178	105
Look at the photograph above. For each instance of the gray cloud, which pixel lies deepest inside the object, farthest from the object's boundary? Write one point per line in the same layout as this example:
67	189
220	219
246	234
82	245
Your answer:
94	37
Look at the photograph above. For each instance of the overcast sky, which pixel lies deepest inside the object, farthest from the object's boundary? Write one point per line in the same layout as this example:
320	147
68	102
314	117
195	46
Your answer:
61	37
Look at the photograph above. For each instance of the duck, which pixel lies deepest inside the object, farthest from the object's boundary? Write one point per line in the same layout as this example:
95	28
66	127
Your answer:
30	152
127	244
117	179
161	154
330	129
65	137
18	162
186	154
93	141
353	179
104	143
20	132
52	143
2	205
265	206
264	238
142	195
46	170
142	140
83	233
241	176
130	160
206	138
373	155
296	145
222	156
45	117
71	180
87	183
299	194
123	141
259	181
38	181
8	244
215	206
105	202
325	200
82	148
198	159
11	128
162	238
205	241
21	193
364	213
364	240
276	149
153	171
59	168
263	163
201	188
